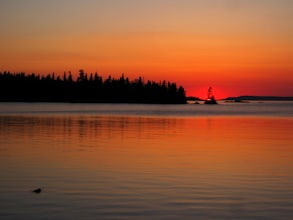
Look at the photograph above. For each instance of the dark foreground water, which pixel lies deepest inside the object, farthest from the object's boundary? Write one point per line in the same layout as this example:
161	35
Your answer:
107	161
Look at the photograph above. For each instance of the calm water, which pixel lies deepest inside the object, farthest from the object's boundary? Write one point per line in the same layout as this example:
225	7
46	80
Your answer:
119	161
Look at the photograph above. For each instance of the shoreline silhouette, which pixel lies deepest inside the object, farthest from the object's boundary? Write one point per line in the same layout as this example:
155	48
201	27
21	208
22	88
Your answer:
87	88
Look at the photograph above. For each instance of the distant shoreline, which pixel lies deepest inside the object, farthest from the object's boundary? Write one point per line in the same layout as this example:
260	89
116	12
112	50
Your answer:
189	101
260	98
85	102
87	88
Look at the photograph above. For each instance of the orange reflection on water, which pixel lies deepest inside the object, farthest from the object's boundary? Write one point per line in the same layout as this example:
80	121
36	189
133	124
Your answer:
163	146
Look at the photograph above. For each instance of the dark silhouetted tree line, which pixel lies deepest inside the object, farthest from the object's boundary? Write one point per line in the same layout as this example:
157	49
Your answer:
19	87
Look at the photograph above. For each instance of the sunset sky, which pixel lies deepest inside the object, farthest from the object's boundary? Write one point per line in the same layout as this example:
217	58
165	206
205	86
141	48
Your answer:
240	47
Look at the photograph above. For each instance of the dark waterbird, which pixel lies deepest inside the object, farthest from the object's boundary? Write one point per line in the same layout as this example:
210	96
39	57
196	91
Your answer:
38	190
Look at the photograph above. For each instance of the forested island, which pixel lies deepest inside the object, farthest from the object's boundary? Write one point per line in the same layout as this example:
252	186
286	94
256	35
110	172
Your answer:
86	88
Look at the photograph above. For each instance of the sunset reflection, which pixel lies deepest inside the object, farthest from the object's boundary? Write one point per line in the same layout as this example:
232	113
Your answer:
139	144
149	165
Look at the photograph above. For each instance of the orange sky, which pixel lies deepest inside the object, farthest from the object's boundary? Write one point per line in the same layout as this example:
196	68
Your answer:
240	47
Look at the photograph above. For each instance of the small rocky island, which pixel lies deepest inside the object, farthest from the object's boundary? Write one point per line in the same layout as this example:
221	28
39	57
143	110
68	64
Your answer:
210	99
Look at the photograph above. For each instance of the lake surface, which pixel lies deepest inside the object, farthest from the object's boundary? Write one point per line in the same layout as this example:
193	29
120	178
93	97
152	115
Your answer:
129	161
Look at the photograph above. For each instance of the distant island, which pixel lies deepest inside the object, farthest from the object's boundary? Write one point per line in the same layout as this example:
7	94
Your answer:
259	98
193	98
87	88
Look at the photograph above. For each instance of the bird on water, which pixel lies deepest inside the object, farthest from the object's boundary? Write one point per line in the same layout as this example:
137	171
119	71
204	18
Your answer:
38	190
